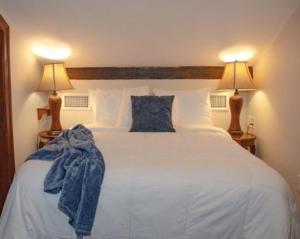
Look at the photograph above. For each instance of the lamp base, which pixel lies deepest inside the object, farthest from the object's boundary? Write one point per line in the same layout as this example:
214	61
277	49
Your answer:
55	105
235	103
235	132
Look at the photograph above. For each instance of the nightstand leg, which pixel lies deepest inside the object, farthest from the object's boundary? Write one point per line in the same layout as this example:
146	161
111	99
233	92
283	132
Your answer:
252	149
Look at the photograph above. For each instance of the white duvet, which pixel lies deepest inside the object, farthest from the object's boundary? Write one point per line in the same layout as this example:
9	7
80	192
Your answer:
192	184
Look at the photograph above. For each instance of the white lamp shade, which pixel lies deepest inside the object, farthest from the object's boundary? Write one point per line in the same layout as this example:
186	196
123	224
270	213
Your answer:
55	78
236	76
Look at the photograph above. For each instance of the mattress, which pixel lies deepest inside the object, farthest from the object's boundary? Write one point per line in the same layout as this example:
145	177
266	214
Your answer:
195	183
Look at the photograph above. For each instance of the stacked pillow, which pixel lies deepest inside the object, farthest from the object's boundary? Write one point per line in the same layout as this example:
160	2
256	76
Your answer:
105	105
191	107
135	109
112	108
125	112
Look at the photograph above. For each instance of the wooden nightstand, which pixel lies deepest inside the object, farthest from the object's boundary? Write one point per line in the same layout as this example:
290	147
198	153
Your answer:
44	137
246	140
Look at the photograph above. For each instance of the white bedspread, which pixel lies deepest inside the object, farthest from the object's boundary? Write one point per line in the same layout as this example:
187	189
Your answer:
184	185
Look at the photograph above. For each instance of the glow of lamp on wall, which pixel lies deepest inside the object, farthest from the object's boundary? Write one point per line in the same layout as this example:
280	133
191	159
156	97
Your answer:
237	53
51	51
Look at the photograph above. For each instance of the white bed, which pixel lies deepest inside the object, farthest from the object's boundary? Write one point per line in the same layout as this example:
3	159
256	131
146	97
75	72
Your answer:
195	183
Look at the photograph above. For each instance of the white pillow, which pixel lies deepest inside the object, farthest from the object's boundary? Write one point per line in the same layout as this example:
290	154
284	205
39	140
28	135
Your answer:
92	98
190	107
106	105
125	113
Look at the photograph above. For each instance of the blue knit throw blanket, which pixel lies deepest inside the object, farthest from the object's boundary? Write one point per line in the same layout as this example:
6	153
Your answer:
77	172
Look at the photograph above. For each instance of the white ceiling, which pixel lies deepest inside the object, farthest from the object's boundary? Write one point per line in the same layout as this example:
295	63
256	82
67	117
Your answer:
149	32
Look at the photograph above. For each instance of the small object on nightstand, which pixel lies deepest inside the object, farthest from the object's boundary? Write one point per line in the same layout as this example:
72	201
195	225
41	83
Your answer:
246	140
44	137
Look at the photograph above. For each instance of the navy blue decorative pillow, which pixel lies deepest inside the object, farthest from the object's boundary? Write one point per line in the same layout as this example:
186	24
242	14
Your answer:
152	114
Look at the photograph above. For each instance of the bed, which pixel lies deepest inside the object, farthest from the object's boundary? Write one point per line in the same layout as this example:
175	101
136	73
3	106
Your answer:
195	183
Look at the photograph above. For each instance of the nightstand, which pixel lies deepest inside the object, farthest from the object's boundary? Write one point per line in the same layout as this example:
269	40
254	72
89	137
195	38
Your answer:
246	140
44	137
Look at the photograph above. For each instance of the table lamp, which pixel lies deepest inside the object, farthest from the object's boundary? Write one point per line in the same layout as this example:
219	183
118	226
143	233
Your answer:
236	77
54	78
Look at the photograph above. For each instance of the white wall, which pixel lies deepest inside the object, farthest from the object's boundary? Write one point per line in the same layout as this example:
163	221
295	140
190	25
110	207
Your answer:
24	76
276	105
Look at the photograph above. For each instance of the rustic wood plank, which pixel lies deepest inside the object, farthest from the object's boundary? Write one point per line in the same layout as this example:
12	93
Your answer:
144	73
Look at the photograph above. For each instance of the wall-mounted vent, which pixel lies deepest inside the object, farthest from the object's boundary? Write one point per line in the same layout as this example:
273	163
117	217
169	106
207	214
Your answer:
76	102
219	102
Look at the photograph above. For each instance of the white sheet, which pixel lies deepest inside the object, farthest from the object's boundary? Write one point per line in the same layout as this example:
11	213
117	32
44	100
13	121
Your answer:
185	185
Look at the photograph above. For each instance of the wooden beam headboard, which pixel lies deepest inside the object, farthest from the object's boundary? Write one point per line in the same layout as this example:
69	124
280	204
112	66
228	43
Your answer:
143	73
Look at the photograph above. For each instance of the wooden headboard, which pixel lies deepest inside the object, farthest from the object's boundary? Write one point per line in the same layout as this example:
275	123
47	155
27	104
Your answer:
144	73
